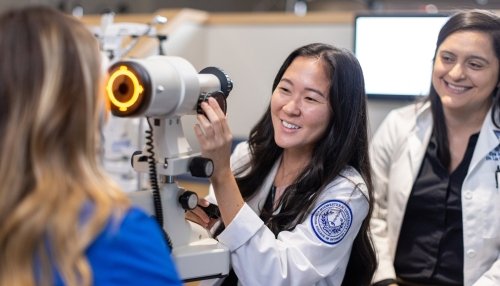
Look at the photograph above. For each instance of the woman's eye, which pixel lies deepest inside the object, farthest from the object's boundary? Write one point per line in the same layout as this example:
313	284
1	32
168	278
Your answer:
475	65
284	89
311	99
446	58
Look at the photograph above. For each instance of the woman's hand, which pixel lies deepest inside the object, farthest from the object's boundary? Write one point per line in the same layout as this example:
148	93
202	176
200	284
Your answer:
214	136
215	140
199	216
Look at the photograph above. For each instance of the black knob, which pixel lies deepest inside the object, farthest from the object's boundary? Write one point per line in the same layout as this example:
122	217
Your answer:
212	211
201	167
226	84
188	200
142	158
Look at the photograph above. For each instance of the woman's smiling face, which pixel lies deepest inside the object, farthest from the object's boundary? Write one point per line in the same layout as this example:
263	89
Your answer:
465	71
300	106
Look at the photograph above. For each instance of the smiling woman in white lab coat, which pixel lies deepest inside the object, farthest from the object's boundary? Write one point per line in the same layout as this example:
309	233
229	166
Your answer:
295	199
436	167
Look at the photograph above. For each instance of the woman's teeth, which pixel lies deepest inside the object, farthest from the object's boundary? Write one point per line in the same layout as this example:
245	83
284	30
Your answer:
289	125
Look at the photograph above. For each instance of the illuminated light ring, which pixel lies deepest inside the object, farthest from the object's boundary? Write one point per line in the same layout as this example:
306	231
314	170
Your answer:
138	89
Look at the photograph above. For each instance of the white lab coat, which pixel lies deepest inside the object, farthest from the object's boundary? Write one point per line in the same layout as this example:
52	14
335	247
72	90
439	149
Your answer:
296	257
397	151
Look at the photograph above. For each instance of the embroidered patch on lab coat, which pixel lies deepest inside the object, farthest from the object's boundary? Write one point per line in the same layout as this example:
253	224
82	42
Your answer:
494	155
331	221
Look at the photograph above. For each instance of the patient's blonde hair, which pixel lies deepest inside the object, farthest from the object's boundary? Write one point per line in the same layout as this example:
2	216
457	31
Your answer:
50	109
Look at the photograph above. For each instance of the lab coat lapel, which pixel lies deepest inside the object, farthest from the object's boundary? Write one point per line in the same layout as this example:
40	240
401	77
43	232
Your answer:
408	166
257	202
486	144
418	141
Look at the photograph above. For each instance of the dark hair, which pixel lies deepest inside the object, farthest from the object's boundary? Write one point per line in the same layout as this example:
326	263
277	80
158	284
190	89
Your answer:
471	20
345	143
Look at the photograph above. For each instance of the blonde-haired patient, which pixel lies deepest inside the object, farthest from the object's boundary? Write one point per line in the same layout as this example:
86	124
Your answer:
62	221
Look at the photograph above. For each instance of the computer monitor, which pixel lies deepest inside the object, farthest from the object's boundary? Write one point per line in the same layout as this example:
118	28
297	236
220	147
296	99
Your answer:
396	52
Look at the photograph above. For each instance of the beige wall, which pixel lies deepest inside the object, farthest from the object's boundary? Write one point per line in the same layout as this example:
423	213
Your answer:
250	48
251	53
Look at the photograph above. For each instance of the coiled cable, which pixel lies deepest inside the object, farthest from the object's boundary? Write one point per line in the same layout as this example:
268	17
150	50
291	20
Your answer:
153	178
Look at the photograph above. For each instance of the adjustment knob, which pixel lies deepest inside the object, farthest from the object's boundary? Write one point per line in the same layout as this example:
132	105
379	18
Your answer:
201	167
188	200
226	84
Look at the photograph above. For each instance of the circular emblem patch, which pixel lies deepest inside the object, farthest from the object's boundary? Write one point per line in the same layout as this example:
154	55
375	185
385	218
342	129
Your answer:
331	221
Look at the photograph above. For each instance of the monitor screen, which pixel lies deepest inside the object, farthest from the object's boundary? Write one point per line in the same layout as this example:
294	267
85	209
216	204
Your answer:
396	52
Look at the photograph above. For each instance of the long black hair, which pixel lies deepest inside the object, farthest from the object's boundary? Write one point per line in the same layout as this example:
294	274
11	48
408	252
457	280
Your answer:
345	143
470	20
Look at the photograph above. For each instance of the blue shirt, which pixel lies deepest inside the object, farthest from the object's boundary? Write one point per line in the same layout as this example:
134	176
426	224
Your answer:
132	251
